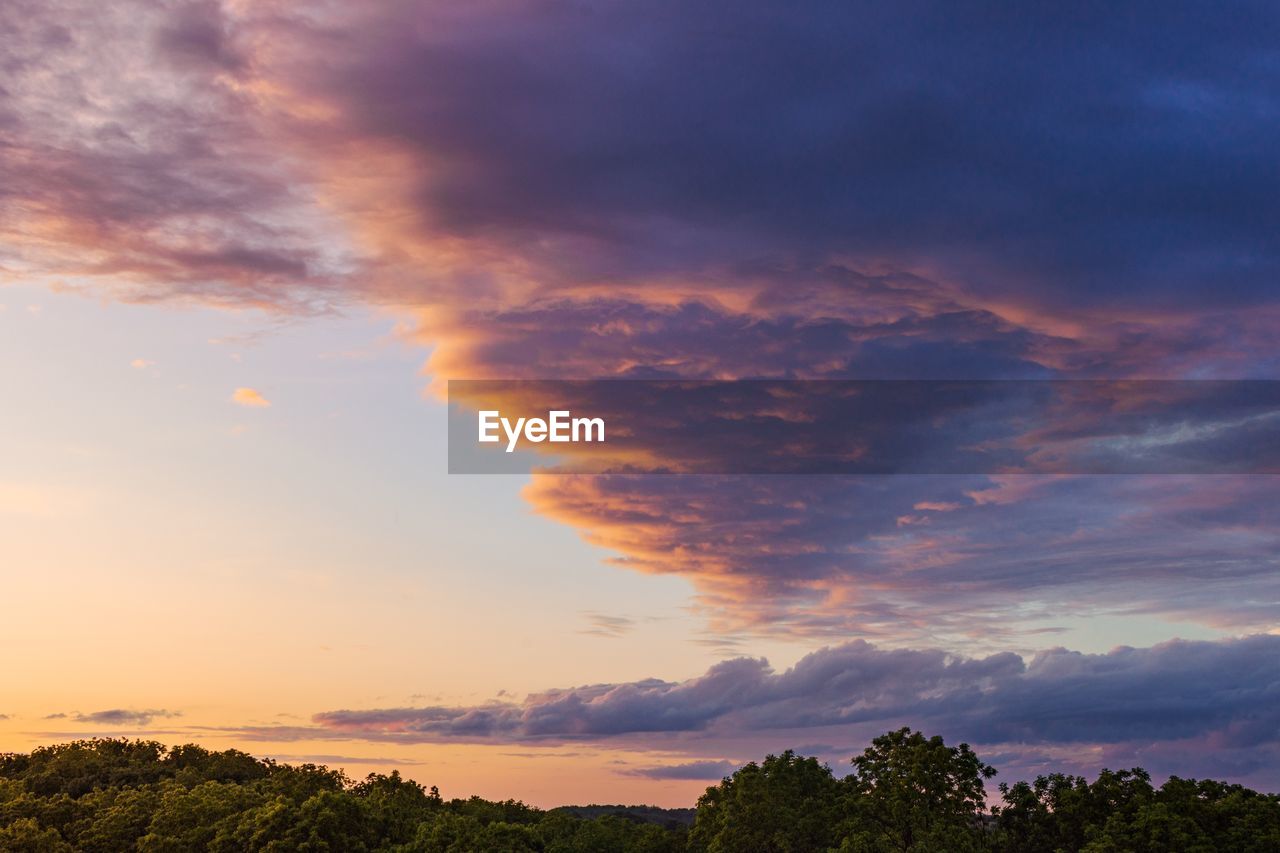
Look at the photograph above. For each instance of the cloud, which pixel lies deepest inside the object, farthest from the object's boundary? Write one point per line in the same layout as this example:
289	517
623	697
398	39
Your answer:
605	625
827	556
250	398
1175	690
594	164
339	760
619	132
168	188
690	770
1187	707
547	190
121	717
141	364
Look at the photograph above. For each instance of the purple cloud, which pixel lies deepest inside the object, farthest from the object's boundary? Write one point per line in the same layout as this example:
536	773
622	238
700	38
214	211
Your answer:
1180	706
124	716
1175	690
169	187
689	770
958	560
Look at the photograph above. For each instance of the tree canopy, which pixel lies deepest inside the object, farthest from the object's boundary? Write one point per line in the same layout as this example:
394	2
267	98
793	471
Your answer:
905	792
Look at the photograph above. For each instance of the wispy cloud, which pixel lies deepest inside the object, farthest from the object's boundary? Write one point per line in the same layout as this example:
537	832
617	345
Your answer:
339	760
121	716
690	770
606	625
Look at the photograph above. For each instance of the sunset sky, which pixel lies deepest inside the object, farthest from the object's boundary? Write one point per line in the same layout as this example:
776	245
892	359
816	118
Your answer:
244	244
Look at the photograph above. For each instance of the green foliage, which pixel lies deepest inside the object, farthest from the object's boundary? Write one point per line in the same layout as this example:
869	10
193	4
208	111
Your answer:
562	833
25	835
787	804
1121	811
77	768
907	793
109	796
115	818
1059	812
913	793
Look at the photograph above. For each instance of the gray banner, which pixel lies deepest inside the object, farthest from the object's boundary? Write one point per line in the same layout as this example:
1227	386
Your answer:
865	427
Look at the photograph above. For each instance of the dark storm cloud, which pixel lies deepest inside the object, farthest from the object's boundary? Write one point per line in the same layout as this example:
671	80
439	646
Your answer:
1098	154
1048	155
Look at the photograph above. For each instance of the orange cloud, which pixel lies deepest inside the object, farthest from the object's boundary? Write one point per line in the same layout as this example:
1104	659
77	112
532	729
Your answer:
249	397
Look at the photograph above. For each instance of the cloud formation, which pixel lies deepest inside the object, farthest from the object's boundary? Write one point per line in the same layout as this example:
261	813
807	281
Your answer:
1002	556
695	770
1170	706
1172	691
905	201
719	191
122	716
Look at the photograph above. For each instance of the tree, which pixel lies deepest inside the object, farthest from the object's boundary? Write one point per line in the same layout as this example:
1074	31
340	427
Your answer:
1192	817
192	818
787	804
907	793
913	793
1061	812
396	805
562	833
78	767
119	817
26	836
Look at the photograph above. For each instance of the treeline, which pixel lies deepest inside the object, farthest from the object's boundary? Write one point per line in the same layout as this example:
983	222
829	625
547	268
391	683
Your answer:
906	792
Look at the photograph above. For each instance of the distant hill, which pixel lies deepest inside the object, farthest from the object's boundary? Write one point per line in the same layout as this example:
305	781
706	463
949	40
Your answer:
665	818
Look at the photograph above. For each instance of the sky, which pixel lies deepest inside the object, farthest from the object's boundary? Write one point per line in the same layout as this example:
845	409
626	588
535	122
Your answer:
244	245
